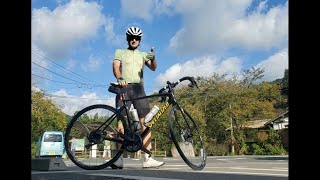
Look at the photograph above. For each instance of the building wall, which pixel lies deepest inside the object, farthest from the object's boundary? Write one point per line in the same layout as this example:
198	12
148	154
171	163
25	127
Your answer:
278	126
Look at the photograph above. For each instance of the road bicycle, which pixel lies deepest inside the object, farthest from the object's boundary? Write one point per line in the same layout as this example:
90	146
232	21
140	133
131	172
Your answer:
100	144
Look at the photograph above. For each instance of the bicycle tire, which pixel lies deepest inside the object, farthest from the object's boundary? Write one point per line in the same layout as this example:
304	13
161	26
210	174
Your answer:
185	132
79	129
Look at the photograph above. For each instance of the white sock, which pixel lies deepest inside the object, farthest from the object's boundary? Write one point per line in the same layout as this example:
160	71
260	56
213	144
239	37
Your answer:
146	156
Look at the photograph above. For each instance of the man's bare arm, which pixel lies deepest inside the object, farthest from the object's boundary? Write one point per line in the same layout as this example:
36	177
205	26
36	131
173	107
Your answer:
152	64
116	69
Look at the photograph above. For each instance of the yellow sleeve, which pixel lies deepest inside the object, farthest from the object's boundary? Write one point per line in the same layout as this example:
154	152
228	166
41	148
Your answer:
118	55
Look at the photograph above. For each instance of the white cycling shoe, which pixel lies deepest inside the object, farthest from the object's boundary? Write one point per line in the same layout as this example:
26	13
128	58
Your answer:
152	163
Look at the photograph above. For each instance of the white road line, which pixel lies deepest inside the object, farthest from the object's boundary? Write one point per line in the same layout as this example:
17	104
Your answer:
246	173
224	159
259	169
53	172
133	177
247	168
163	168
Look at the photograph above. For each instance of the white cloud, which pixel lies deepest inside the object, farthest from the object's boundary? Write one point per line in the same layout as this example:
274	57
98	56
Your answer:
116	40
71	104
71	64
260	31
38	56
164	7
137	9
274	65
214	26
229	66
59	30
35	88
262	6
203	66
94	63
38	59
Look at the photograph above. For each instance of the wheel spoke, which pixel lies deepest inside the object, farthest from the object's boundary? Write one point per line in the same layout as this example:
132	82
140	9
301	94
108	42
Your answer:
95	137
187	138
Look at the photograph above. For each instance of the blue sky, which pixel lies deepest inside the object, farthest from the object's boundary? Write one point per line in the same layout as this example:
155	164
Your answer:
73	42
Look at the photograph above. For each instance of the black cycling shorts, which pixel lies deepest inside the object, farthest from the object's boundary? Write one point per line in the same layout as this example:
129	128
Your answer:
135	90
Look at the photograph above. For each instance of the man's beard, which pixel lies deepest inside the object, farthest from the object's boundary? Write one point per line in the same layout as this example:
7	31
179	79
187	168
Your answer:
131	47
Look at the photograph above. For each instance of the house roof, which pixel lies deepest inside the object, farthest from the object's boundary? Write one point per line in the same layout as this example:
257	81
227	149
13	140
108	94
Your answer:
264	122
280	118
253	124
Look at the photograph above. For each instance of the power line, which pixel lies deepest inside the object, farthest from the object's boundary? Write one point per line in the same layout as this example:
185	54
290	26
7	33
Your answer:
59	74
43	57
53	80
68	82
57	96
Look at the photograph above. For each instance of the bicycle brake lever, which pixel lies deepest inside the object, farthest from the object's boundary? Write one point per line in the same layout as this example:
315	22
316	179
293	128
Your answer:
115	83
194	83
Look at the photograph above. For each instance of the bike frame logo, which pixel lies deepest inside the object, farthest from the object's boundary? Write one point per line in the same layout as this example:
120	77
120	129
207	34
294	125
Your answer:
158	115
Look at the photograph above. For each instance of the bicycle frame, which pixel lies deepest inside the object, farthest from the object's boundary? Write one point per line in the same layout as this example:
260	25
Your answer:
169	101
183	129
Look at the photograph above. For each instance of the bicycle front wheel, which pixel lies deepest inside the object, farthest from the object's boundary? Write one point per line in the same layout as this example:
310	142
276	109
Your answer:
91	141
187	138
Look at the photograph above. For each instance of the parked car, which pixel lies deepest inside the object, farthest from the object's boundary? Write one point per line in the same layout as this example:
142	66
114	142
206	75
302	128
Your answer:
50	144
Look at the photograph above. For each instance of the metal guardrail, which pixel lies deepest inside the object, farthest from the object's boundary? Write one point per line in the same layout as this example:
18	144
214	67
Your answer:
139	154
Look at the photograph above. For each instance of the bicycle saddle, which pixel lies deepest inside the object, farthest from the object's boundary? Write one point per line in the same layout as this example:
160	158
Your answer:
116	89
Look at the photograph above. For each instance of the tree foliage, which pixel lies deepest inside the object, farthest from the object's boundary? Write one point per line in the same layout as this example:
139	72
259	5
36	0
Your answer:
218	103
45	115
251	75
219	100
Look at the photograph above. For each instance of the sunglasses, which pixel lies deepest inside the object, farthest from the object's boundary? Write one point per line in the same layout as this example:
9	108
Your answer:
130	38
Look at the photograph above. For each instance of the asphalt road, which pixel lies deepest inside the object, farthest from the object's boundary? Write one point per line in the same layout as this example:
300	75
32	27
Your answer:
218	167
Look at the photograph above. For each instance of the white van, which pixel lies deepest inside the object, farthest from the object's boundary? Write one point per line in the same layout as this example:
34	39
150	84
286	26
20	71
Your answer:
50	144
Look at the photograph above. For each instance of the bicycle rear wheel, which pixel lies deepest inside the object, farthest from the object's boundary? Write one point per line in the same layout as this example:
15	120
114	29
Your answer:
187	138
90	127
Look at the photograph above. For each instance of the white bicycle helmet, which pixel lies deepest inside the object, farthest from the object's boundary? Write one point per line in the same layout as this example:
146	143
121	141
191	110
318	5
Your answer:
134	31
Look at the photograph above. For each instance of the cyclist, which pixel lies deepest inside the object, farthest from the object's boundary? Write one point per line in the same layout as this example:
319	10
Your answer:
128	65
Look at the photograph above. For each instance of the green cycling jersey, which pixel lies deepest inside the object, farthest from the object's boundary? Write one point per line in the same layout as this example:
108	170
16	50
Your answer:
131	64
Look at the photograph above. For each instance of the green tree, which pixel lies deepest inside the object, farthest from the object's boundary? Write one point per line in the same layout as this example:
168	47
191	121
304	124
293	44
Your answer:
248	101
218	101
283	84
251	75
285	79
45	115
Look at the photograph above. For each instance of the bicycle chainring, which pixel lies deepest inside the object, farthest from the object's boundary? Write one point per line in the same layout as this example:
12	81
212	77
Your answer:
133	143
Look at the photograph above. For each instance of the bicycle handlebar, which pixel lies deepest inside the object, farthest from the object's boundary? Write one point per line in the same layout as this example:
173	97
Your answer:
172	85
191	79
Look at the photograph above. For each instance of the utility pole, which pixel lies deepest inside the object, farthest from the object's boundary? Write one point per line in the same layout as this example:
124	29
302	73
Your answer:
155	146
231	131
